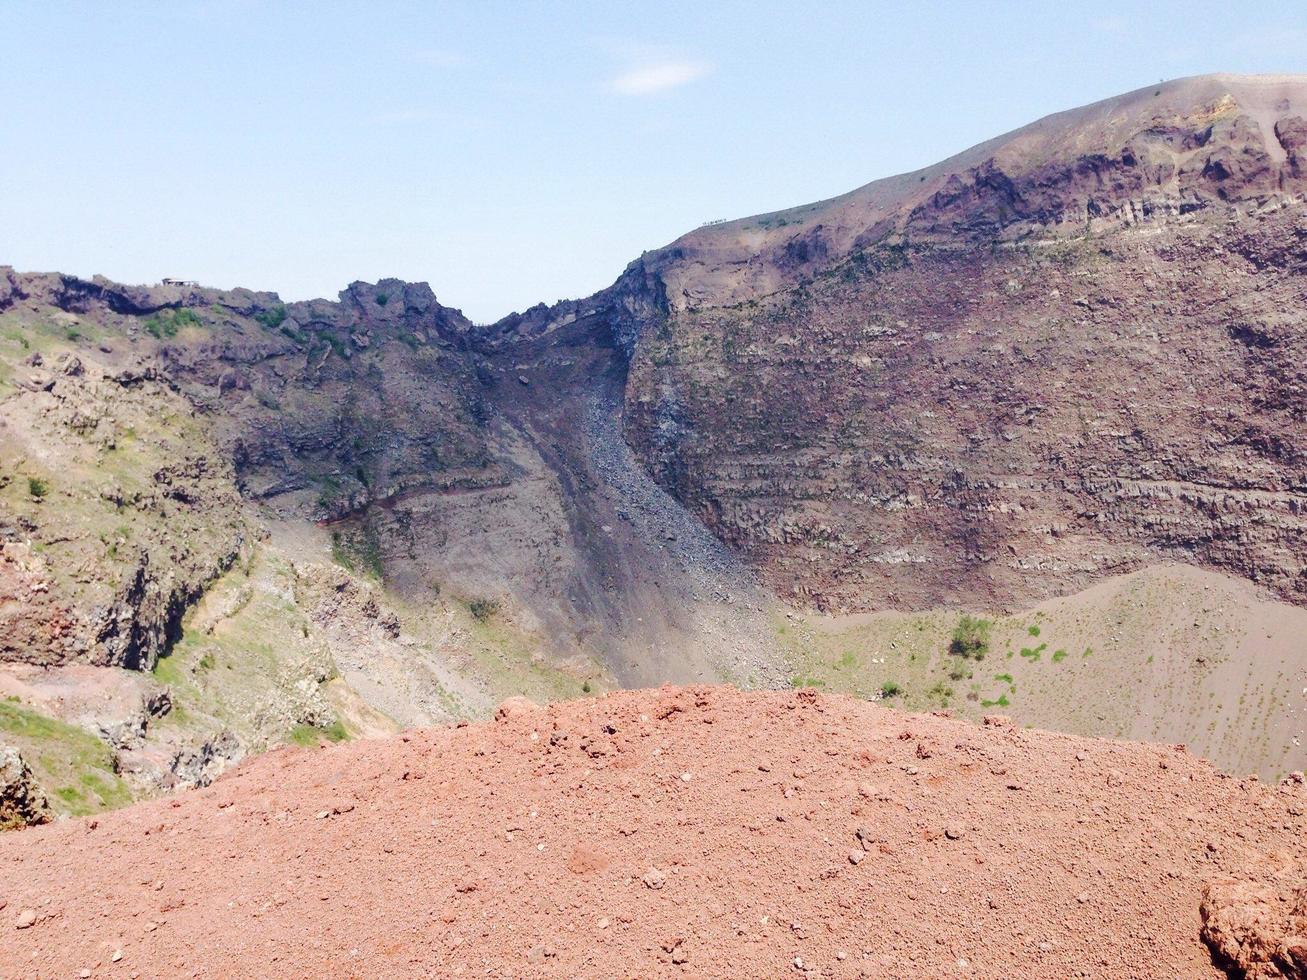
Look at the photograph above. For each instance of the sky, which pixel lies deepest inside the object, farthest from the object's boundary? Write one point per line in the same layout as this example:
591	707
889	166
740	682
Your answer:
511	153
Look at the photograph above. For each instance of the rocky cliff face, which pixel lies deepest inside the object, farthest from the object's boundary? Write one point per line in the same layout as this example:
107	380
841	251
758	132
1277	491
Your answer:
164	408
1061	355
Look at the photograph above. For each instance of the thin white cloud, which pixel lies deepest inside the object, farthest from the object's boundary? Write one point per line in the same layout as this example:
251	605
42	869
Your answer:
661	77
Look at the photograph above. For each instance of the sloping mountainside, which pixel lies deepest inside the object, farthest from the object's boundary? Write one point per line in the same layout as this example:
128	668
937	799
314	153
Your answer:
1064	354
1002	406
698	832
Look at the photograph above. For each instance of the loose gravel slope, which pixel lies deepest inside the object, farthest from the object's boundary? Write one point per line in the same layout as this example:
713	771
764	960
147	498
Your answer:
691	831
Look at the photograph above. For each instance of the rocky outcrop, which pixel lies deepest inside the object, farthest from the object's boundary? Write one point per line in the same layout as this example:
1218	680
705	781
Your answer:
22	803
120	510
1256	926
1058	356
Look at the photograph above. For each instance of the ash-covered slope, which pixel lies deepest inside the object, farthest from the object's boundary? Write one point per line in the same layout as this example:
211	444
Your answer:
700	832
1061	355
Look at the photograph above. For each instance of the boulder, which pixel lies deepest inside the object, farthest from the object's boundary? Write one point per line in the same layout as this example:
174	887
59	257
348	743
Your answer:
22	802
1257	927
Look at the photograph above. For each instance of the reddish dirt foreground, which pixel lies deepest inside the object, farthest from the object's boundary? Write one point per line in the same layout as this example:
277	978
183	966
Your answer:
699	832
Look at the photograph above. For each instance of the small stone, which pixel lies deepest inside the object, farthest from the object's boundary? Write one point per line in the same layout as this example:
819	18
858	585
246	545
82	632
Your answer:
680	954
955	831
855	857
84	973
1082	897
26	919
117	955
653	878
686	777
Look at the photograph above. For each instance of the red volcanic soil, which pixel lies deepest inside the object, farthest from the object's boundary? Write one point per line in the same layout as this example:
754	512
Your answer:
701	832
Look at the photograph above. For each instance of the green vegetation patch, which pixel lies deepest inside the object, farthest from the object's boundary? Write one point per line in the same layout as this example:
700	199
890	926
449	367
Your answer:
970	638
310	735
167	323
942	692
483	610
75	767
798	682
273	317
358	551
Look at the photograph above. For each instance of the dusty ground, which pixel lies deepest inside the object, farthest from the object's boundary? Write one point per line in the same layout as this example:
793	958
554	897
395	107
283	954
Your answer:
1166	654
702	830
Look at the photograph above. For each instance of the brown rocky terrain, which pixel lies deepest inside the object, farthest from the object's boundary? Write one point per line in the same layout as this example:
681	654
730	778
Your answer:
820	836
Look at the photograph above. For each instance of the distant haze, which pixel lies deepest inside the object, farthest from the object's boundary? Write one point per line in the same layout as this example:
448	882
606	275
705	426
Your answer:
515	153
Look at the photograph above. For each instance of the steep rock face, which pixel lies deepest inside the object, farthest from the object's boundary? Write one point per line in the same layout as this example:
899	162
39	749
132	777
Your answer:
1057	356
354	402
115	510
141	419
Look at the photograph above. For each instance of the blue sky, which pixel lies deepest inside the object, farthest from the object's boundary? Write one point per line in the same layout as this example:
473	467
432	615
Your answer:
510	153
